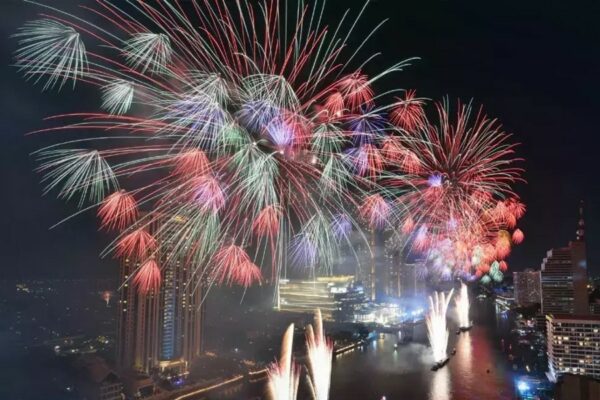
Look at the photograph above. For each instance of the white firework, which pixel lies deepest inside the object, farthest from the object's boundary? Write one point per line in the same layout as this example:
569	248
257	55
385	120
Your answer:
117	97
437	331
462	307
49	48
77	172
149	52
284	375
272	88
211	85
320	355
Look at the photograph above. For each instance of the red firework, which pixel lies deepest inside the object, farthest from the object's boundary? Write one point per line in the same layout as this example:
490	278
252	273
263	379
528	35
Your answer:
267	222
192	162
456	177
137	245
118	211
357	91
375	210
408	113
518	236
233	266
147	278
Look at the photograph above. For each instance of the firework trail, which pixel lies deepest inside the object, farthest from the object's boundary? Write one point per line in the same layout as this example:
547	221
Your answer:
463	306
227	132
437	331
284	375
320	356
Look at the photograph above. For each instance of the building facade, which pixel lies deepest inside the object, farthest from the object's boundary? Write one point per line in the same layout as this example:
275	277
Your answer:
401	277
137	324
564	277
527	287
164	329
573	343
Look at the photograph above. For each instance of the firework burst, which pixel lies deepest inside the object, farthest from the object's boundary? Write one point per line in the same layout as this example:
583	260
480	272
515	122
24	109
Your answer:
454	180
227	132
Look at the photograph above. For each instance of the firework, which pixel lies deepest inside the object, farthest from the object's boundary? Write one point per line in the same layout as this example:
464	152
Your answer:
227	132
320	353
51	49
437	332
284	375
462	307
454	179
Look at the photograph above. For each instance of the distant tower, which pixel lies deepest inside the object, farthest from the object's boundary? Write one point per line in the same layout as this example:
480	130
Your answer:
564	276
581	227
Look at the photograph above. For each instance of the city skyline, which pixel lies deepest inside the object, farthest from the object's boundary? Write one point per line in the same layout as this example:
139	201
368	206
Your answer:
273	200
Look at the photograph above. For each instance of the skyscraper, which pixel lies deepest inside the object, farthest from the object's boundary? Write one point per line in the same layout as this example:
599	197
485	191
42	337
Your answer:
137	324
163	329
401	270
527	286
573	345
564	277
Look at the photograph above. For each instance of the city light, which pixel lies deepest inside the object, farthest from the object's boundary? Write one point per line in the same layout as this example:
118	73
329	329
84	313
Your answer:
523	387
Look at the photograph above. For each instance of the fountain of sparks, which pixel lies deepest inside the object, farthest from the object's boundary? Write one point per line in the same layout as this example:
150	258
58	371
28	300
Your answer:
284	375
320	354
437	331
462	308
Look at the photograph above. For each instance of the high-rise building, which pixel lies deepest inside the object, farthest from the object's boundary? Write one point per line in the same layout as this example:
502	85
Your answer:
573	343
137	324
527	287
564	277
393	259
163	329
364	259
401	278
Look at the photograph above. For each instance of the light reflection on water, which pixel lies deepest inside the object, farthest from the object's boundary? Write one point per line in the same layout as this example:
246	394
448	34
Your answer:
440	385
405	374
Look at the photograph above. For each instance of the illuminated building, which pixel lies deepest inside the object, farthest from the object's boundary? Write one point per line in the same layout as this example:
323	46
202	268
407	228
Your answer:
365	262
137	324
564	277
392	287
401	278
527	287
161	330
338	297
573	343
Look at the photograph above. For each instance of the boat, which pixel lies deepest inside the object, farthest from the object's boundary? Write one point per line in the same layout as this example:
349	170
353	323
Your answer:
440	364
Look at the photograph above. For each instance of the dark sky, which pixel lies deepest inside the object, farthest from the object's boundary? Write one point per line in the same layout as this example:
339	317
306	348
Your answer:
533	64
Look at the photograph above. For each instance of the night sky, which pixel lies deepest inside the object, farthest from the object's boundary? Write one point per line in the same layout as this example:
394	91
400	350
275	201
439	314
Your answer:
533	64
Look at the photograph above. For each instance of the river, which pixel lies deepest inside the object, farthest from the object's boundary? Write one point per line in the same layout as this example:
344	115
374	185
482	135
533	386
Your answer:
405	373
478	370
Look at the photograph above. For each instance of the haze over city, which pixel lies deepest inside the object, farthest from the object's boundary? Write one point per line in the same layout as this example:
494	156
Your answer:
282	199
